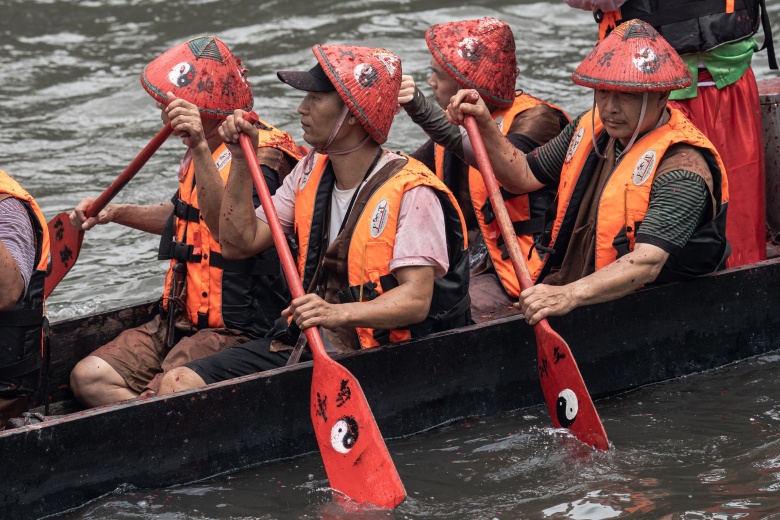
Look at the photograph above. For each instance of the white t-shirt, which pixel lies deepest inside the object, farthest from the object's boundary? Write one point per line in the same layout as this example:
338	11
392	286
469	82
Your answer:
421	238
18	237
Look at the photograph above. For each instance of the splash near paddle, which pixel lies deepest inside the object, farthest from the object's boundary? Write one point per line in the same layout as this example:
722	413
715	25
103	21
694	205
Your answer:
353	451
565	394
66	240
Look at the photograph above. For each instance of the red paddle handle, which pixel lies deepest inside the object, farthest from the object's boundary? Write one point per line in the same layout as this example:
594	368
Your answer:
280	240
102	201
502	215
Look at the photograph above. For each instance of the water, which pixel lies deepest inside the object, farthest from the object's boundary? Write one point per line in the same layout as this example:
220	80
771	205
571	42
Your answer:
700	447
74	115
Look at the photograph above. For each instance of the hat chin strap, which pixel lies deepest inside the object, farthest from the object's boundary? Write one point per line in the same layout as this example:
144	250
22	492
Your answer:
324	149
611	139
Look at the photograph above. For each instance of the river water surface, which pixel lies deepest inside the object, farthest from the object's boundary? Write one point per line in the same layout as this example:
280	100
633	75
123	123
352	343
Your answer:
74	115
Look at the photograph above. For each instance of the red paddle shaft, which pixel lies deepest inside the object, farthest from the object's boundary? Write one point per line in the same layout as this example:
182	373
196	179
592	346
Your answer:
567	398
353	451
102	201
280	240
66	240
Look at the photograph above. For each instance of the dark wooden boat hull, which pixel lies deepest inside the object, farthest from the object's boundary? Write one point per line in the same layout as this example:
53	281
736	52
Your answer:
649	336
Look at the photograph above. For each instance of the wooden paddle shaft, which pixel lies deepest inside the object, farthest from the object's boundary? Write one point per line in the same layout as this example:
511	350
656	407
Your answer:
280	240
499	208
102	201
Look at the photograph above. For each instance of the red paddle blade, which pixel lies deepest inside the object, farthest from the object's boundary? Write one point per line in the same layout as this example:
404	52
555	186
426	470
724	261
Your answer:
354	453
65	246
567	398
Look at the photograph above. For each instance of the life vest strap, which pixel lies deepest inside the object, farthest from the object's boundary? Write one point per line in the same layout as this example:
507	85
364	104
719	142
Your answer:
185	211
768	43
487	208
523	227
21	368
249	266
353	293
21	318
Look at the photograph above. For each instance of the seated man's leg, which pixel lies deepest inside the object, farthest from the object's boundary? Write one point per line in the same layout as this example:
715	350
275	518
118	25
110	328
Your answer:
489	299
247	358
120	369
202	344
94	383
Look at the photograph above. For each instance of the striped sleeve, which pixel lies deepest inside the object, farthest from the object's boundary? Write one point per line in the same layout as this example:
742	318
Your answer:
546	162
16	234
678	204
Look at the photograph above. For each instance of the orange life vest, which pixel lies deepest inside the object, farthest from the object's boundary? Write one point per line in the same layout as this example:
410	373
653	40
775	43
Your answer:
22	327
518	206
247	295
371	246
625	198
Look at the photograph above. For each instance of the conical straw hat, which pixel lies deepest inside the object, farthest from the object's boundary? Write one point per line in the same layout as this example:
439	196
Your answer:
478	54
633	58
368	81
204	72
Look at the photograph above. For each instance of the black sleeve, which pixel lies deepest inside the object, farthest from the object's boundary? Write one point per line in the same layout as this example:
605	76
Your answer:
425	154
522	142
271	180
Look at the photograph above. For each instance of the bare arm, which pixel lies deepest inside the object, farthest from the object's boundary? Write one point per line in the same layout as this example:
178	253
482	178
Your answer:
210	188
404	305
10	280
242	234
187	124
623	276
509	164
150	218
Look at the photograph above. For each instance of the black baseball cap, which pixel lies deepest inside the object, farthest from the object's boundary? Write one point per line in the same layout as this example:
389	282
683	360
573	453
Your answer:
312	80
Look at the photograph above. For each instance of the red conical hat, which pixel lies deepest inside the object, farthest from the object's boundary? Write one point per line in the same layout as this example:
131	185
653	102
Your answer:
368	81
202	71
633	58
478	54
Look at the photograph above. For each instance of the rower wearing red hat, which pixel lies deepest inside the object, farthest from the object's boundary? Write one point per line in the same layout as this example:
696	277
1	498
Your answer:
480	54
641	193
209	303
716	42
381	241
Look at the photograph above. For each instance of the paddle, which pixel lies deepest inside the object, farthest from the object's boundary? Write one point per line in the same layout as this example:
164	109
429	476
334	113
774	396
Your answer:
567	398
66	240
354	453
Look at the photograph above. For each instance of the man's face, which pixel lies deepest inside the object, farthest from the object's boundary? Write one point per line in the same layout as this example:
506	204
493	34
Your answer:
319	112
620	111
444	87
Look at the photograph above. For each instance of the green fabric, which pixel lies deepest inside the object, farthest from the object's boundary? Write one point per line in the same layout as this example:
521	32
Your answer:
727	63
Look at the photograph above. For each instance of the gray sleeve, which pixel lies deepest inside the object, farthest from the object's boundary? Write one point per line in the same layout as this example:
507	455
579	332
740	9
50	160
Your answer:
431	118
16	234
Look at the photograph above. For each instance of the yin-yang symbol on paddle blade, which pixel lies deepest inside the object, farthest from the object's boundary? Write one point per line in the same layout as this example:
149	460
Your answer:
344	434
566	408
